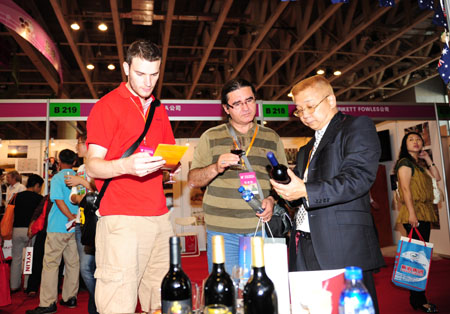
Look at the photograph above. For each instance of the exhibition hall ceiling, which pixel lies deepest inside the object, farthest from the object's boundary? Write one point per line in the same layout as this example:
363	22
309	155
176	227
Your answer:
380	51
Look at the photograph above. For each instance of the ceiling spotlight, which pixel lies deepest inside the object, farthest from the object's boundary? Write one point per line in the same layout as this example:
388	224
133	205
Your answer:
320	72
337	73
211	68
102	27
90	66
290	95
111	67
75	26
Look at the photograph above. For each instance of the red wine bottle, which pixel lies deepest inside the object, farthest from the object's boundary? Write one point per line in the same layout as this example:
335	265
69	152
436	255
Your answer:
176	293
279	171
219	288
259	292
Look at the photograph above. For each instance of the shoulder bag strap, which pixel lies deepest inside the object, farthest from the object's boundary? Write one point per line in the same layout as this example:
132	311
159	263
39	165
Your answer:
129	151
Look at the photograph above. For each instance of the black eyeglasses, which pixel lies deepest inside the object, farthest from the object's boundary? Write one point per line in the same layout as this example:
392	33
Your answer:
310	110
249	101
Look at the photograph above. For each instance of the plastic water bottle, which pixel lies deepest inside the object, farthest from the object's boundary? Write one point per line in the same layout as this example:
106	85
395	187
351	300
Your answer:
251	200
355	299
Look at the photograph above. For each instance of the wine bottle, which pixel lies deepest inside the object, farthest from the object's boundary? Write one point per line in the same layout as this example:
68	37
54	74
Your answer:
251	200
279	171
176	293
219	288
259	292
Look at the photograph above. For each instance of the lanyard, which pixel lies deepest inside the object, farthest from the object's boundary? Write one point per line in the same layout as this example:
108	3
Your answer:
142	114
236	141
244	157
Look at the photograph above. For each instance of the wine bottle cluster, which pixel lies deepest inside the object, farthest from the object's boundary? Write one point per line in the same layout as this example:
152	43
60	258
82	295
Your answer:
259	292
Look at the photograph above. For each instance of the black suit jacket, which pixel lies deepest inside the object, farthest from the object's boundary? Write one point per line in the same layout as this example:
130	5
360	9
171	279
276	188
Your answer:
340	175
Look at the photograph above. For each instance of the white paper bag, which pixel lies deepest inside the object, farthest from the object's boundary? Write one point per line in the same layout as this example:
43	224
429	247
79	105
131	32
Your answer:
275	259
28	261
309	289
7	249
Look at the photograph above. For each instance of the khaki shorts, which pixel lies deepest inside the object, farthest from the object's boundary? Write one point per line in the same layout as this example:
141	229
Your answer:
132	258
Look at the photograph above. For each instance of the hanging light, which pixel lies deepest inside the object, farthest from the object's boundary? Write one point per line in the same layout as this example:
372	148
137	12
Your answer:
52	141
290	95
75	26
337	73
111	67
90	66
320	72
102	27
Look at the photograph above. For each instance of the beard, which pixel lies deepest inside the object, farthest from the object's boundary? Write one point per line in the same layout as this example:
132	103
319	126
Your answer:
137	92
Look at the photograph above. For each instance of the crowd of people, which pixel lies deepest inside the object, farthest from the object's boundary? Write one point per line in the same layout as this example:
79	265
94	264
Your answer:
329	190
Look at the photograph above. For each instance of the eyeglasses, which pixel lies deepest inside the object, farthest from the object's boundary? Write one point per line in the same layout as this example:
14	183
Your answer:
300	112
249	101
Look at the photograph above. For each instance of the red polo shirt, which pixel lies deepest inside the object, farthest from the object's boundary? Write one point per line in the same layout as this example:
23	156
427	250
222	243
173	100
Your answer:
115	123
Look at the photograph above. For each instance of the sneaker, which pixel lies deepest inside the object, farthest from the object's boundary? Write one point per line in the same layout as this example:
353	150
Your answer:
43	310
71	303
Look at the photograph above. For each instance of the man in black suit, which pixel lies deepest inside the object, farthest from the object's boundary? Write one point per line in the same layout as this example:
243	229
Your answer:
330	184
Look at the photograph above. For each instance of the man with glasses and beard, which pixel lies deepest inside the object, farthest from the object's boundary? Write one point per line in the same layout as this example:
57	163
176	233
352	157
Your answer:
215	166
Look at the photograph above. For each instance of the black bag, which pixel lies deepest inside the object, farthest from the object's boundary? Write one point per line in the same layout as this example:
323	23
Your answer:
280	223
88	207
91	201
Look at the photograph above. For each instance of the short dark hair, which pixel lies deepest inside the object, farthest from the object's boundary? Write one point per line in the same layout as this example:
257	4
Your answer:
67	156
233	85
144	49
33	180
82	137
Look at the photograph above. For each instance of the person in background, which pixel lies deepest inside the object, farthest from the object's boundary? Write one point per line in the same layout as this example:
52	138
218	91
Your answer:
415	170
333	175
14	181
26	202
226	213
3	188
34	280
60	242
81	184
132	239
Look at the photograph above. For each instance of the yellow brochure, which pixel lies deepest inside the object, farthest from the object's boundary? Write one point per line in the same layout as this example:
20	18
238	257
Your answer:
171	154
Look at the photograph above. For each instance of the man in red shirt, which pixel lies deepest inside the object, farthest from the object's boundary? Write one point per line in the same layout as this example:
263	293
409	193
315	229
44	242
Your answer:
132	241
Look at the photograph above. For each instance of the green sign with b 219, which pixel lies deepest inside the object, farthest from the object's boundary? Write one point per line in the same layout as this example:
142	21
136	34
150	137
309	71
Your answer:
64	109
278	111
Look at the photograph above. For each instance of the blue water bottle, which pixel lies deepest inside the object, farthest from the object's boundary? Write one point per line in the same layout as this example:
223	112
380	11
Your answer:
251	200
355	299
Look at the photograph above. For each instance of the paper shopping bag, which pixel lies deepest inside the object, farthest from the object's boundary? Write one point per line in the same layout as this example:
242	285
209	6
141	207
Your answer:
316	291
276	263
28	260
412	263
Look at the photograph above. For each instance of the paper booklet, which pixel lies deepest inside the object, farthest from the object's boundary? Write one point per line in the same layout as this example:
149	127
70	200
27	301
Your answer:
171	154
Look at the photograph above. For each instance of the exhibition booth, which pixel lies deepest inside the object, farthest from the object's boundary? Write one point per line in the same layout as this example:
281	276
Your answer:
392	121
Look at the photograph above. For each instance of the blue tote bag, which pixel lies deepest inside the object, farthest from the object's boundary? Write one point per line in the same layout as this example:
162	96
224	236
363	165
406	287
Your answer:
412	262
